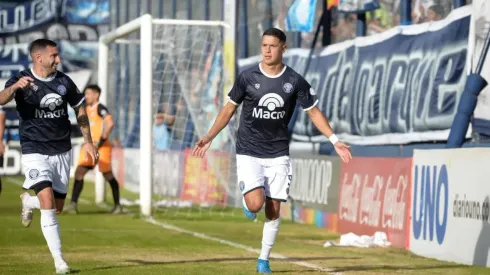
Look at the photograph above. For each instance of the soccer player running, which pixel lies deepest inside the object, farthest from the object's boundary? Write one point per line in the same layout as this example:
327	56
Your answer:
269	92
101	125
41	95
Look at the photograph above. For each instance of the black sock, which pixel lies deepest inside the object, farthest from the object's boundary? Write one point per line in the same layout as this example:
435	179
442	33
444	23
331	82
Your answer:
77	190
115	190
0	185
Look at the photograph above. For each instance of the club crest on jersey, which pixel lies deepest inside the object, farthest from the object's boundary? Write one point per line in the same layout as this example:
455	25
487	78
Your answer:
267	107
257	86
34	87
61	90
288	87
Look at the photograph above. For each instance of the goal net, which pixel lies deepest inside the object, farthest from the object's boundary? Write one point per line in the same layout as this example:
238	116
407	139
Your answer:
164	81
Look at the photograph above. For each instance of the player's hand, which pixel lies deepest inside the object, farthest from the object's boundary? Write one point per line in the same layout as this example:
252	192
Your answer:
201	146
23	82
91	151
343	151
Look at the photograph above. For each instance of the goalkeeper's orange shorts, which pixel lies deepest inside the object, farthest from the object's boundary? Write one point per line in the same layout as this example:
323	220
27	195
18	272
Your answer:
105	156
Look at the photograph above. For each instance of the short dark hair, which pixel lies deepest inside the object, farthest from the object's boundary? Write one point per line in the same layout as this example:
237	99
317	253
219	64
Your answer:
438	10
276	33
94	87
41	44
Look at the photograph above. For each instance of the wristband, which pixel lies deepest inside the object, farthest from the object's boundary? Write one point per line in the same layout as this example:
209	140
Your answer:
101	141
333	139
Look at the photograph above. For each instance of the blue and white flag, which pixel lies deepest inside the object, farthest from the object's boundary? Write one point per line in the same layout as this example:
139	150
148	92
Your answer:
358	6
301	16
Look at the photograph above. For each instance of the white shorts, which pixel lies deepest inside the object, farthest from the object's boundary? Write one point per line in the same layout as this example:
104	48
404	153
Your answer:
55	169
274	175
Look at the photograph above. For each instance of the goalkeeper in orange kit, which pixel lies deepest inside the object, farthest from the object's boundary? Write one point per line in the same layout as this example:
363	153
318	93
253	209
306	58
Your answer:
101	124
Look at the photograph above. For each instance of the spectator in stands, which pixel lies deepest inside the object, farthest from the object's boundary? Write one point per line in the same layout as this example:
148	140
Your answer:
435	13
161	135
343	26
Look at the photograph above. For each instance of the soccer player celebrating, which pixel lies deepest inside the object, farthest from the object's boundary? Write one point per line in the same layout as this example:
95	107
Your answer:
41	95
101	125
269	92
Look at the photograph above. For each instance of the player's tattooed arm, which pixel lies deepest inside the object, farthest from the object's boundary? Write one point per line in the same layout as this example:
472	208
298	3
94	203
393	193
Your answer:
83	122
7	94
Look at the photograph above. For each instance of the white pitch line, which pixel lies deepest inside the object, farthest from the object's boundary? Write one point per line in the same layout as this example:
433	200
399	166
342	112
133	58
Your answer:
237	245
218	240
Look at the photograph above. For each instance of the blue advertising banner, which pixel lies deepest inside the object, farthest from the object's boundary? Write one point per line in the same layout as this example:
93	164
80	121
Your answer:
396	87
75	24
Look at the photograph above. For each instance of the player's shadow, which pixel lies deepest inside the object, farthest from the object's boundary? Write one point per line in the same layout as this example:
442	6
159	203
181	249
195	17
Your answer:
142	262
394	268
480	257
135	263
89	213
209	260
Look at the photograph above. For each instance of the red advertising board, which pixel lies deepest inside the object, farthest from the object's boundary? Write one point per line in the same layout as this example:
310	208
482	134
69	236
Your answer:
375	196
201	184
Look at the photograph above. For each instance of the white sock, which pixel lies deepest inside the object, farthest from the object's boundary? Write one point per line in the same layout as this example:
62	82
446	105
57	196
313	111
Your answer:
51	232
32	202
269	237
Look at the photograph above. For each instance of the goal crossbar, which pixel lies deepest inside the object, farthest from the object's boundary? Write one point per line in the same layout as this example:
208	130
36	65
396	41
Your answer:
144	25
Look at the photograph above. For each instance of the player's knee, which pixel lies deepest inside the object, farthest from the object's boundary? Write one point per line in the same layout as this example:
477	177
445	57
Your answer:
44	191
272	209
80	173
272	215
108	176
254	202
254	206
39	188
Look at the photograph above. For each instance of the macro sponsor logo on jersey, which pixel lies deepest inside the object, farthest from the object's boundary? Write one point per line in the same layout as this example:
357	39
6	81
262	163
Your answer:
49	107
430	202
269	107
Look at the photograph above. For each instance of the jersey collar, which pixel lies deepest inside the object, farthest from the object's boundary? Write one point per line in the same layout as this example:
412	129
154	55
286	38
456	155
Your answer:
44	79
272	76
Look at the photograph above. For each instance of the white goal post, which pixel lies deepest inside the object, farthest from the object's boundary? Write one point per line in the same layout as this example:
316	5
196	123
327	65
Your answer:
145	25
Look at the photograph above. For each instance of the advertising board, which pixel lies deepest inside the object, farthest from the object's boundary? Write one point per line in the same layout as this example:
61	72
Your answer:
451	205
374	196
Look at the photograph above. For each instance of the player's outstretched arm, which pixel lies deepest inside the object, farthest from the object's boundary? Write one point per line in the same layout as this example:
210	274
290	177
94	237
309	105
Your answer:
7	94
321	123
220	123
84	123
